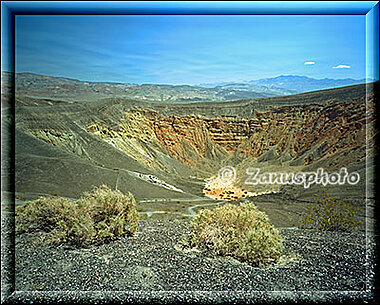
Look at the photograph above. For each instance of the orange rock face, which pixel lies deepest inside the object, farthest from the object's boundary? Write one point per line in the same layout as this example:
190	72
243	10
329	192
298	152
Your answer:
291	129
314	131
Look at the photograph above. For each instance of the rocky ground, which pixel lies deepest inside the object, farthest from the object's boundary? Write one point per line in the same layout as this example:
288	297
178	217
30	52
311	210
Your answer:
154	261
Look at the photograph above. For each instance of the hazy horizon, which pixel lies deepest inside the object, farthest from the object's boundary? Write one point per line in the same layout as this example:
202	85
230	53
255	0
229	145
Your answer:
183	84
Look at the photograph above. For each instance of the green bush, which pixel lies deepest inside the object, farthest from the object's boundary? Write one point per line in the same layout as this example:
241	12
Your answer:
241	231
329	214
96	217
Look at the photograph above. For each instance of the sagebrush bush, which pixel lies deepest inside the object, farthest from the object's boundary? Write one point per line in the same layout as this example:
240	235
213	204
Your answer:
241	231
96	217
329	214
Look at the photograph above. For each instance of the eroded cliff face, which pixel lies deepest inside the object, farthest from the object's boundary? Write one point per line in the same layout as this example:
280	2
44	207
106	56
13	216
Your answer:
198	140
304	133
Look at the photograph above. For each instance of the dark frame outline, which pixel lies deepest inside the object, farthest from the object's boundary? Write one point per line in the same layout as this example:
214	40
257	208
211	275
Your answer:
9	9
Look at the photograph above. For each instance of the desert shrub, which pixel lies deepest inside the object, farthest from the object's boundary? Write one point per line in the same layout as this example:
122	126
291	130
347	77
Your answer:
113	212
241	231
329	214
96	217
44	213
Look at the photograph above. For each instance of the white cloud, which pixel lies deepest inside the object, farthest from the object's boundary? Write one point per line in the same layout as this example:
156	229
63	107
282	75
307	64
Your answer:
342	67
309	63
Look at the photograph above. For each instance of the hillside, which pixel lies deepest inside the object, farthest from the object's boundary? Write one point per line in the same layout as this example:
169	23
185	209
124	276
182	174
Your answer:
121	142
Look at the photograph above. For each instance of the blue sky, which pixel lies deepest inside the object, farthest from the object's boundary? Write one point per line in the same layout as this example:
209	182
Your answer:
190	49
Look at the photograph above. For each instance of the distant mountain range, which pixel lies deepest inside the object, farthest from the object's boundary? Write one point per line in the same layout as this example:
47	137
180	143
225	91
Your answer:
48	89
290	83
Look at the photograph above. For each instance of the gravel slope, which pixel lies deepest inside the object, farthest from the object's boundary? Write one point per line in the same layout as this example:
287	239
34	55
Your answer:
153	260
